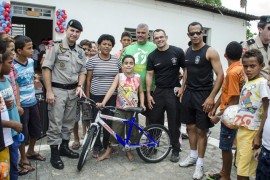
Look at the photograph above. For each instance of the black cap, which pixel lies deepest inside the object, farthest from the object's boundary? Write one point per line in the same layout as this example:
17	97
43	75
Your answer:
265	19
75	24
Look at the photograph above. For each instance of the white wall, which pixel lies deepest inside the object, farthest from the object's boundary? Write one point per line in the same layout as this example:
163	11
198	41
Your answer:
112	16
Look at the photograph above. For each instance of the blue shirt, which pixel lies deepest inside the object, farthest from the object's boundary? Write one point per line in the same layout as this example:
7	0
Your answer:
25	80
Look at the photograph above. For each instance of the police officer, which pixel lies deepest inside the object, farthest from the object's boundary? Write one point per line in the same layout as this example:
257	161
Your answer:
261	42
64	74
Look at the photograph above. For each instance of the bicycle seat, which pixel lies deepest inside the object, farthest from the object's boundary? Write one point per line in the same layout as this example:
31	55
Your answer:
134	109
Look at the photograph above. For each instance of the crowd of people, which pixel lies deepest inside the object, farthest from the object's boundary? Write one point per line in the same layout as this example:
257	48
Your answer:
145	74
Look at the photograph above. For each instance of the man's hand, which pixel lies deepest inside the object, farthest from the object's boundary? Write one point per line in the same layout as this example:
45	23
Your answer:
79	92
20	110
9	103
257	141
100	105
208	104
150	101
16	126
180	93
257	153
50	99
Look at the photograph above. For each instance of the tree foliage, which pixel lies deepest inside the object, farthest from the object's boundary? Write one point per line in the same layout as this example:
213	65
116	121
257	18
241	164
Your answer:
212	2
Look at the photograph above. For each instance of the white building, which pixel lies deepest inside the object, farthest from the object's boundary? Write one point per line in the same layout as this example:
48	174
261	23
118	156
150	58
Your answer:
115	16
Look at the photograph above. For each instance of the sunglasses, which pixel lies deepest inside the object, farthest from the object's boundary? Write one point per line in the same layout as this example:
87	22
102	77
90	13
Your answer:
193	33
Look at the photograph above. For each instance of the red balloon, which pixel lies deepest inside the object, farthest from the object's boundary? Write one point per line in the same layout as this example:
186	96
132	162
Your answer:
9	25
61	20
7	18
64	11
62	31
61	26
5	13
7	5
58	23
0	24
64	16
8	10
7	29
4	32
57	13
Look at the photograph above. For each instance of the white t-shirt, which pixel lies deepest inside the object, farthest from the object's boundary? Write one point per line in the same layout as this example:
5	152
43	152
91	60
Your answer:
4	116
266	132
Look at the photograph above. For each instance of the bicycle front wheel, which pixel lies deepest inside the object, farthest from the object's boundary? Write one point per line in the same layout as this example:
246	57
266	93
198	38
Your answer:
147	151
86	147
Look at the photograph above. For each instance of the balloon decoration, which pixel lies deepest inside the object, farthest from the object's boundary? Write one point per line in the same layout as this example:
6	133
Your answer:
5	16
61	20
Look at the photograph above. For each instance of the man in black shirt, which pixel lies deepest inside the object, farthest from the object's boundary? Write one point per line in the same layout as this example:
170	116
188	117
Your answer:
165	63
198	98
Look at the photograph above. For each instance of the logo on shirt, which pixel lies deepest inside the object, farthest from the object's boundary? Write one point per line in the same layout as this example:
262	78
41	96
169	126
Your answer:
197	59
140	56
174	60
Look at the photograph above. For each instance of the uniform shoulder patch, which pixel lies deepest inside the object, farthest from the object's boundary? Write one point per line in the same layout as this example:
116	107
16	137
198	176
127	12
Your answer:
250	41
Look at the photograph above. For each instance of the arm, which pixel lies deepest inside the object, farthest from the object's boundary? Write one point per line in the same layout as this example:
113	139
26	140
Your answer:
18	102
214	59
183	87
79	90
258	138
89	77
12	124
110	92
47	77
149	82
141	93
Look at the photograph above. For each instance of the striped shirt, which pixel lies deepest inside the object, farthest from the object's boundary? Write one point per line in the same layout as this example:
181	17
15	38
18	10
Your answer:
104	72
25	79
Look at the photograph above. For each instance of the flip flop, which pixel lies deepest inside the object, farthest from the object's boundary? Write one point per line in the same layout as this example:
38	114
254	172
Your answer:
37	157
214	176
22	171
25	165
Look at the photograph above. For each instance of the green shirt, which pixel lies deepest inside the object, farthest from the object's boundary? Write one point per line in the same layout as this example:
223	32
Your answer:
140	52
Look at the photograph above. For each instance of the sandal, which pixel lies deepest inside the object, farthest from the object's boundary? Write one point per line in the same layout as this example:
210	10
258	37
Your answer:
22	171
37	157
76	145
213	176
27	166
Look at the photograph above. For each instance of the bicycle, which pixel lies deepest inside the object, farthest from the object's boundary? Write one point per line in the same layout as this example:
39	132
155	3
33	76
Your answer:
153	142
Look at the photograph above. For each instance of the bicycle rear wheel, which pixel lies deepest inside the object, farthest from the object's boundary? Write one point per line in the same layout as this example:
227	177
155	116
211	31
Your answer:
154	154
86	147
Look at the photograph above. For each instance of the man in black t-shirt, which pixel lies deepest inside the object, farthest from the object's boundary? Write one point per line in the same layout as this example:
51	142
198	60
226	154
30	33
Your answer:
164	63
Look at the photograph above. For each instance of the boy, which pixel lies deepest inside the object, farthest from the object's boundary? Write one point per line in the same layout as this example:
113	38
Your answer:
86	109
252	114
10	100
24	67
263	170
231	88
126	39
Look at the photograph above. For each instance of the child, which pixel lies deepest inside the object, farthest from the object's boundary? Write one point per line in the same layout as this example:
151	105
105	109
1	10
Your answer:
87	112
126	39
252	114
24	67
10	100
94	49
128	85
263	153
231	88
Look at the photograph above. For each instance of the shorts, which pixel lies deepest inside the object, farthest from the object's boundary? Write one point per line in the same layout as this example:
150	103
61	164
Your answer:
31	122
192	112
263	170
119	127
227	136
246	163
4	157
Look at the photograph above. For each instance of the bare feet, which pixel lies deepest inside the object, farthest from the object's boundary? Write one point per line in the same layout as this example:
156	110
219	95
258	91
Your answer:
130	156
106	155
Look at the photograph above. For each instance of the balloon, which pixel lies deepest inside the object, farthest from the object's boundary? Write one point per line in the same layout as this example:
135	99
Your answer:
64	16
9	25
61	13
62	31
7	22
57	13
3	3
60	26
2	17
59	10
7	5
64	11
2	9
59	17
61	20
7	18
3	21
57	29
8	10
63	23
5	13
58	23
1	29
4	25
7	29
10	15
4	32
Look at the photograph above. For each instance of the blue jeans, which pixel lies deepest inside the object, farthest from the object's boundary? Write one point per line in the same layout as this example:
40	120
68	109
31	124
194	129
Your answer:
263	170
14	158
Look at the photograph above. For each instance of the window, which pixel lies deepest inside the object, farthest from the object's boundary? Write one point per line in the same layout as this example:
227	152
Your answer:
18	29
133	34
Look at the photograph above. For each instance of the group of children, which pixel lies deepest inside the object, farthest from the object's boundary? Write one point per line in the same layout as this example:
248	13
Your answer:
243	85
18	105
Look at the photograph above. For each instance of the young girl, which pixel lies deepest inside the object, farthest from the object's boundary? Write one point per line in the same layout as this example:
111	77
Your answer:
128	85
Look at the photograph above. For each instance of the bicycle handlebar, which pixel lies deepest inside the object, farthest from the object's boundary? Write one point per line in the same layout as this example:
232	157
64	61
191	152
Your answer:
87	100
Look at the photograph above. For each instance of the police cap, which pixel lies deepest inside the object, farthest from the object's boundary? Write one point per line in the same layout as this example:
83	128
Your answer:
265	19
75	24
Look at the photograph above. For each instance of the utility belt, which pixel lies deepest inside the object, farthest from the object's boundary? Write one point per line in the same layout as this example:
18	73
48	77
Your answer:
64	86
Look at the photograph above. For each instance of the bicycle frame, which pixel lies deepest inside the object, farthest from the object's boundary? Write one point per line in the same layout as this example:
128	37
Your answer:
124	142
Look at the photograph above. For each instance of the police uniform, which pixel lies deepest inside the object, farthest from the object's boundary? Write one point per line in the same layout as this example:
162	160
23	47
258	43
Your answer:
257	44
66	66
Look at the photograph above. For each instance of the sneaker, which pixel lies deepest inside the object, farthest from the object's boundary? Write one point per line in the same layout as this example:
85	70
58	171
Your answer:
189	161
175	157
198	174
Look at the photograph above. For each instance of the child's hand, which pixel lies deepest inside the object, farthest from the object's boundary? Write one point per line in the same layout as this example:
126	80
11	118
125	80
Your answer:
100	105
214	119
20	110
143	106
9	103
257	153
16	126
256	144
